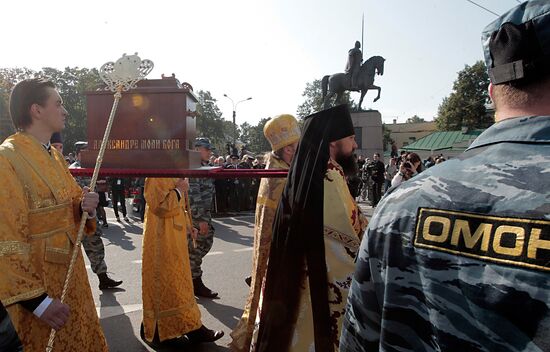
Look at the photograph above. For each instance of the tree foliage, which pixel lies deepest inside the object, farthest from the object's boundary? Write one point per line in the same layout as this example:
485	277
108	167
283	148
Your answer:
8	78
210	123
6	126
253	136
415	119
313	95
313	99
465	106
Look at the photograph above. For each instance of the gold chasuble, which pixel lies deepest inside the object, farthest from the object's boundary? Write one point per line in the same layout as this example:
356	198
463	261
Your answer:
167	287
39	218
269	195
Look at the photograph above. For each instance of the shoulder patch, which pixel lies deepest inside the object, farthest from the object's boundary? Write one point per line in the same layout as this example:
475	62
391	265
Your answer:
503	240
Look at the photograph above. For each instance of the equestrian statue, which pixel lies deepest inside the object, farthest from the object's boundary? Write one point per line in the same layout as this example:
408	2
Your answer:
358	77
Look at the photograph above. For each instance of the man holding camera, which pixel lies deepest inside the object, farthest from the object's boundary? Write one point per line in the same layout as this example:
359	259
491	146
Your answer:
404	174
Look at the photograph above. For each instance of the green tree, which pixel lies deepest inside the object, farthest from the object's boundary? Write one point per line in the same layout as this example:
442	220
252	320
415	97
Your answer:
8	78
6	126
245	131
258	140
253	136
415	119
465	106
313	102
210	123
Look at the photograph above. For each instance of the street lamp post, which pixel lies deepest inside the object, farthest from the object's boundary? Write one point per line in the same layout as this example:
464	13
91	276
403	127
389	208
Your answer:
235	115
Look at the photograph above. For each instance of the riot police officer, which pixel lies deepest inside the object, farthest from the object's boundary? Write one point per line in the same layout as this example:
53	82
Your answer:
459	259
201	194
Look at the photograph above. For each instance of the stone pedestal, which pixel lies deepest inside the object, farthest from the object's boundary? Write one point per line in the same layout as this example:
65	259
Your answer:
368	133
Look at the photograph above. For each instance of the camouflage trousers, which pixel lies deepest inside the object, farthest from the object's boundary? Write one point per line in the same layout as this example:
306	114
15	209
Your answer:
204	244
93	246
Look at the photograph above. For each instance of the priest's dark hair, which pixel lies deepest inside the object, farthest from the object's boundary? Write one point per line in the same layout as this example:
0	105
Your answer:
23	96
298	240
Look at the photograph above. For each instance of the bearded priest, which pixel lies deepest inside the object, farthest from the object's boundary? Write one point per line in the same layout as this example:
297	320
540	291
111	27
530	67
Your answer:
316	235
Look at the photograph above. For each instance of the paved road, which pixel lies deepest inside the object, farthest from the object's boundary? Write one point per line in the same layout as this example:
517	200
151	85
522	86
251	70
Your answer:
225	268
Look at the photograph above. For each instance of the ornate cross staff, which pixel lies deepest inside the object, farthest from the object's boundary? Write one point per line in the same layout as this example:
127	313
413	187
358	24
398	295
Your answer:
119	76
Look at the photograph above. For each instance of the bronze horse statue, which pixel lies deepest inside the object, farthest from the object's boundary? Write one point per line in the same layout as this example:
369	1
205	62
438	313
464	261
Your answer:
338	83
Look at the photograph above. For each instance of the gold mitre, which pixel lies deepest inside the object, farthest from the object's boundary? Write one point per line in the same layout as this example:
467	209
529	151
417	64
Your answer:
281	131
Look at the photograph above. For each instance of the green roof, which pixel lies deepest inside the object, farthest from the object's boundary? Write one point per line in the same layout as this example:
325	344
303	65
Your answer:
444	140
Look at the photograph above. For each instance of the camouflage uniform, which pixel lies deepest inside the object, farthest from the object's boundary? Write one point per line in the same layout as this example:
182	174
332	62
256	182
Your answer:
419	286
95	250
93	245
201	194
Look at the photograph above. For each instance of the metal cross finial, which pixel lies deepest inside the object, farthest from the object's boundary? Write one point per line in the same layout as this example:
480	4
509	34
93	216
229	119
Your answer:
125	72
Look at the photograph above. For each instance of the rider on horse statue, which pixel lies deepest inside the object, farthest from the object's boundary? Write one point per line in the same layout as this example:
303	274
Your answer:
358	77
355	58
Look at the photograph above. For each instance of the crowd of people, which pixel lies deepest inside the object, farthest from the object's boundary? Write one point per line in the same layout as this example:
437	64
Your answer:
374	178
455	257
236	194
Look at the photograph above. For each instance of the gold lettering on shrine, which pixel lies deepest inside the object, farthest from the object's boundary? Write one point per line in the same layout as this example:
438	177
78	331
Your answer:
139	144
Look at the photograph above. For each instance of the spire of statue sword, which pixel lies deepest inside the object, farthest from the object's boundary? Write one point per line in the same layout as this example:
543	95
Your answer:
362	33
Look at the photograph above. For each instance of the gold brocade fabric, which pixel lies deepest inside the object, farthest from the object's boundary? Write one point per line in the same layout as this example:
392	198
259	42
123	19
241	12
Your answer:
269	195
167	287
39	218
343	227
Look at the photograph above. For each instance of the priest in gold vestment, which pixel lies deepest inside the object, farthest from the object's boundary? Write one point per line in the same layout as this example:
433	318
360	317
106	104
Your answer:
316	235
41	210
171	316
283	134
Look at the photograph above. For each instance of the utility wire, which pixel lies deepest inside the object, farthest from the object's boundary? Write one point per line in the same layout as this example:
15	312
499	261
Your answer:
486	9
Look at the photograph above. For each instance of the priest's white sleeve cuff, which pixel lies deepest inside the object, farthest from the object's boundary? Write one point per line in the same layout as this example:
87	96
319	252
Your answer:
42	306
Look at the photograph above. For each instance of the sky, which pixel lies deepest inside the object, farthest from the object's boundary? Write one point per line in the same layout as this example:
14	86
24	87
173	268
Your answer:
264	49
